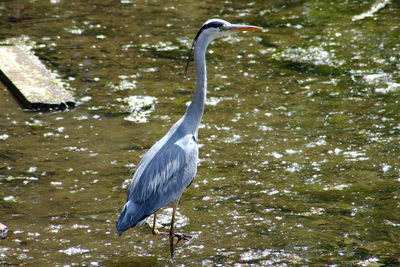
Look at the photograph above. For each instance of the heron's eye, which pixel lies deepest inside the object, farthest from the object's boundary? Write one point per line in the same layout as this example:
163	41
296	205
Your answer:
222	28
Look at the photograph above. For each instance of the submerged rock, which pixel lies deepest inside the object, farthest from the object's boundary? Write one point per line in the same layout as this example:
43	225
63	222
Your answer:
3	230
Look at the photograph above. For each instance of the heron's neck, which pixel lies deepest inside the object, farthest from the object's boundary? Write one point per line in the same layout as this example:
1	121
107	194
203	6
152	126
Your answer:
195	110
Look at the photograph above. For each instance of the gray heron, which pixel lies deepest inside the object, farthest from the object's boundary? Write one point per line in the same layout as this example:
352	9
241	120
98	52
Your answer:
170	165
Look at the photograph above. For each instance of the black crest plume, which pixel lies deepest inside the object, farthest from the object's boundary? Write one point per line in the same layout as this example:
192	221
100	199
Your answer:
215	24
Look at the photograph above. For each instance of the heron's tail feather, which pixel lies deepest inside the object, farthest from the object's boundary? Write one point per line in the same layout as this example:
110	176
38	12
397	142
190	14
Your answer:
132	214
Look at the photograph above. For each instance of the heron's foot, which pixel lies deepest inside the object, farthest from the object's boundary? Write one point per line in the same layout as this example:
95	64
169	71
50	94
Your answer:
156	232
182	236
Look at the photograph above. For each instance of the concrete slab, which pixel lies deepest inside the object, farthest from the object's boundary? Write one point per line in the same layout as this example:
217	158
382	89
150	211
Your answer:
30	82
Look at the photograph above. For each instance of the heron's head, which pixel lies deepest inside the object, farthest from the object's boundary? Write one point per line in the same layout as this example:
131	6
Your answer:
215	28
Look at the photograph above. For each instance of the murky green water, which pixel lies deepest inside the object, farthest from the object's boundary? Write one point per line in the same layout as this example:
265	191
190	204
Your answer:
300	139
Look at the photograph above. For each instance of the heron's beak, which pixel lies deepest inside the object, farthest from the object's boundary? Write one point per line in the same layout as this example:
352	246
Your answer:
242	28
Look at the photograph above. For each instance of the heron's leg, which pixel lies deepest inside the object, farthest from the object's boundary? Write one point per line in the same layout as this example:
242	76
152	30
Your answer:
172	231
155	230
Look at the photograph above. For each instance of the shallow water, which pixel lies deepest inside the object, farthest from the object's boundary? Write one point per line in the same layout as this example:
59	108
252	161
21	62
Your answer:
299	162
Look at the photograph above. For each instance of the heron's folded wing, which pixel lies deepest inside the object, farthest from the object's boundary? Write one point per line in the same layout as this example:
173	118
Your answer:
165	171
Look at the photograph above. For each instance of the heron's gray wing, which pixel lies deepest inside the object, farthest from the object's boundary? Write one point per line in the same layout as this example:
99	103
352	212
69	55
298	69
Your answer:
166	171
